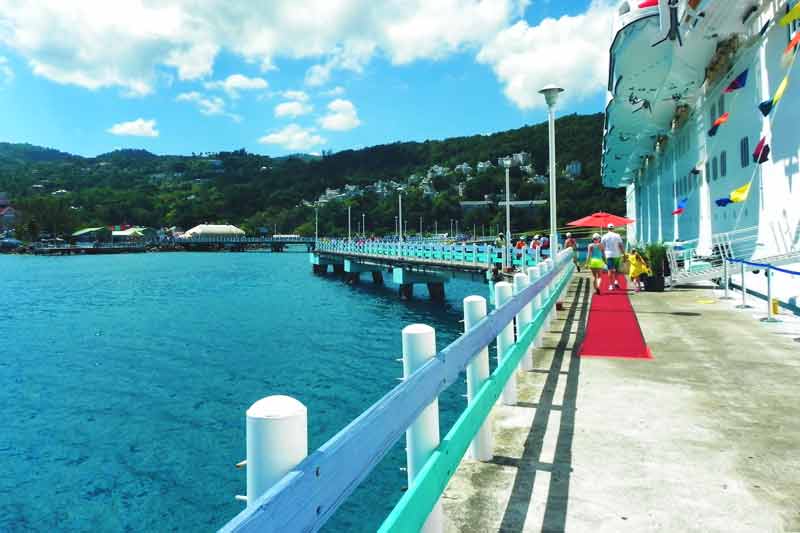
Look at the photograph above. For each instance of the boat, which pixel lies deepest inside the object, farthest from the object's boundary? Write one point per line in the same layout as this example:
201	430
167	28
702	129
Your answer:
701	131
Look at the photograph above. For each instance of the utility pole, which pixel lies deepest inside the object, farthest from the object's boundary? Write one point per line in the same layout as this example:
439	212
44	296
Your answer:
400	211
349	226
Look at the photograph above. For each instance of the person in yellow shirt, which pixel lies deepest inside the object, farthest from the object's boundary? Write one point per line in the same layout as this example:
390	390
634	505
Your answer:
638	268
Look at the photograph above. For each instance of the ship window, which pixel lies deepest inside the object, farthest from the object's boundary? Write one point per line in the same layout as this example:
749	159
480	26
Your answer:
744	148
723	164
721	109
714	169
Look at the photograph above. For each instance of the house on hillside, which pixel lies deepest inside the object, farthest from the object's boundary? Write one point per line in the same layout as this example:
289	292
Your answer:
438	170
8	215
573	170
464	168
483	166
521	158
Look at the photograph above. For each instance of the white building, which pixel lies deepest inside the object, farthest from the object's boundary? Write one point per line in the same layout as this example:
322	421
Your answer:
521	158
483	166
464	168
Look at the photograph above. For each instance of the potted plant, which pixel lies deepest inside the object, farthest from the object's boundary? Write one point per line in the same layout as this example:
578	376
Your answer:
656	255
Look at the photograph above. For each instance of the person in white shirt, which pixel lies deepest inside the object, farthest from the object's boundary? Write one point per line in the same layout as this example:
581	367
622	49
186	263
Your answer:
614	249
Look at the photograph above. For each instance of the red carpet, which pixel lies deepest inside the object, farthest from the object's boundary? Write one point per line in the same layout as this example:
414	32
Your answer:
613	330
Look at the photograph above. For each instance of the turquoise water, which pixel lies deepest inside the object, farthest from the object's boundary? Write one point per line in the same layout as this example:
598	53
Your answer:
124	381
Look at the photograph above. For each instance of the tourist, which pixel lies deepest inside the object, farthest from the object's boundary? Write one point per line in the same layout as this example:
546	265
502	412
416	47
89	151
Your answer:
639	268
614	250
595	260
570	242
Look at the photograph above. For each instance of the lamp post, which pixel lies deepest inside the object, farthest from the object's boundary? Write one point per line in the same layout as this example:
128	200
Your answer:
451	227
396	233
551	93
400	210
349	226
316	225
436	227
420	225
363	225
506	262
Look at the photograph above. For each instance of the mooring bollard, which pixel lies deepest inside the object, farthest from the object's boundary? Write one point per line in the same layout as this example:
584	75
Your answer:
534	273
504	293
422	436
743	305
477	374
277	440
524	318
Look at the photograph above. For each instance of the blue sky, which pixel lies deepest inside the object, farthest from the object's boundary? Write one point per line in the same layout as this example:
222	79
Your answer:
328	75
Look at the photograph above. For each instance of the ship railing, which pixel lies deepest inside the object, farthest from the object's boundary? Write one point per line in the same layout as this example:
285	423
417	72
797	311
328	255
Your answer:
769	269
464	253
309	492
685	257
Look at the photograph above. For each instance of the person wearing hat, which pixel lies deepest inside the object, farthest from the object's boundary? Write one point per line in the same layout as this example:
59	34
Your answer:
570	242
614	249
596	261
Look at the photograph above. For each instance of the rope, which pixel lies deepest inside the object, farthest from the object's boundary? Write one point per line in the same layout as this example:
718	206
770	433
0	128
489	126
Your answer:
764	265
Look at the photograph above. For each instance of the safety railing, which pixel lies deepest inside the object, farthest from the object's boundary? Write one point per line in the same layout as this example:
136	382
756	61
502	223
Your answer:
685	258
243	240
745	266
287	492
462	253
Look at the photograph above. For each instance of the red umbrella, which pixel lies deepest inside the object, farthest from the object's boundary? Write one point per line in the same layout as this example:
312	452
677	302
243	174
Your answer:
600	220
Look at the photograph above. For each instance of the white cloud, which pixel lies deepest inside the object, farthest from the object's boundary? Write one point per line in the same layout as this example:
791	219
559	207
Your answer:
294	137
336	91
292	109
341	116
137	128
299	96
6	74
208	105
126	43
237	82
571	51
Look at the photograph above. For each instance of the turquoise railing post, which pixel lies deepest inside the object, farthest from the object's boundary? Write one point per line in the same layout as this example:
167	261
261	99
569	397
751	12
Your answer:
277	440
422	436
524	318
481	448
503	292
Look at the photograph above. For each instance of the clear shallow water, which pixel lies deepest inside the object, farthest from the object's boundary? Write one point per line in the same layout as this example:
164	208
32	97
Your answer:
124	381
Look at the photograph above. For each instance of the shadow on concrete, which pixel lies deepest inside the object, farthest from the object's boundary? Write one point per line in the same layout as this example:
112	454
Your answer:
529	464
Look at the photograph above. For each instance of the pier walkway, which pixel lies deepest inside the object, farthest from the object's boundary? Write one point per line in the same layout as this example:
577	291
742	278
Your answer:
703	437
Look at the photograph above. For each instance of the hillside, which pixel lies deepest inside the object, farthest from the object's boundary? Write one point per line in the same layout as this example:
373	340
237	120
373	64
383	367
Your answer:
138	187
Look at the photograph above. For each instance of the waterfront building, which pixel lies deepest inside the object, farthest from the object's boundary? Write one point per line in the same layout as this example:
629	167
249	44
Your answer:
214	230
701	130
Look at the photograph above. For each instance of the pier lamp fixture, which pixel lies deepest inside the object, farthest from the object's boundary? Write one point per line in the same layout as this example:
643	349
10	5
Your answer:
363	225
396	233
551	93
316	224
349	225
400	212
506	259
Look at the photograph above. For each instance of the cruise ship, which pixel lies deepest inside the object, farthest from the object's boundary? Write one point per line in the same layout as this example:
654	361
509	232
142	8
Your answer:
703	131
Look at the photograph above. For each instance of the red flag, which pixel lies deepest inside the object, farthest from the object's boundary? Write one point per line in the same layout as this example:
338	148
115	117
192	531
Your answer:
648	3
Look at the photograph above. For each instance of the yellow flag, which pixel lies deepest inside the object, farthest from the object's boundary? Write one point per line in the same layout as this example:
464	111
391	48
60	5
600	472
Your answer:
792	15
781	88
740	194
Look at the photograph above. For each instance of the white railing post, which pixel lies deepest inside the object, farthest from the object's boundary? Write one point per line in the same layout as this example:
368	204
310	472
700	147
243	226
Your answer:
277	440
770	315
477	374
725	278
534	273
422	436
503	292
524	318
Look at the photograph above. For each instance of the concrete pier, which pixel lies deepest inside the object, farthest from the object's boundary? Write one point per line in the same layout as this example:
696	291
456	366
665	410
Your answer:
703	437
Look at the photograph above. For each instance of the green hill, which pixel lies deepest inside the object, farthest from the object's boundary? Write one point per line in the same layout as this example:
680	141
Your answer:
138	187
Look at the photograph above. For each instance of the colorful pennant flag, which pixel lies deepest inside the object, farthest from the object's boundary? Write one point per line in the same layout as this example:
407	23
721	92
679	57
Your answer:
717	123
791	51
648	3
761	153
767	105
681	206
738	83
740	194
722	202
791	16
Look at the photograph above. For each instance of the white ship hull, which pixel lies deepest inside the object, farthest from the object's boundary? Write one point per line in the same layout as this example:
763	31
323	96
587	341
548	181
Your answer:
661	162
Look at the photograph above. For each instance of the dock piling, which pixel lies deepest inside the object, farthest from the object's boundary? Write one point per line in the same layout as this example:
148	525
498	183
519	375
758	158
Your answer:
277	440
422	436
481	448
503	294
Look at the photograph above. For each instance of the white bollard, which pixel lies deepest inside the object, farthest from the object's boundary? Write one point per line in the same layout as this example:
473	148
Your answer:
504	293
534	273
277	440
477	374
422	436
524	318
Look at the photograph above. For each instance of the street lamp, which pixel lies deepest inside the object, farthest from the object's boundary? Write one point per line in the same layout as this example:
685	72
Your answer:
363	225
551	93
400	210
349	226
316	225
506	261
396	233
